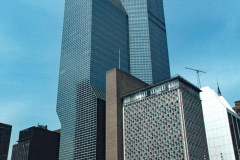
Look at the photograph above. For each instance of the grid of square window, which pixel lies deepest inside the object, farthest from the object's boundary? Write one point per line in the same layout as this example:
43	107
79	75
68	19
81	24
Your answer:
147	40
152	128
93	33
165	123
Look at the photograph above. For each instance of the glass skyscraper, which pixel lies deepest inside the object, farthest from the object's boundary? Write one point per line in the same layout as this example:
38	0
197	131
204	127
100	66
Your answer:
93	33
147	40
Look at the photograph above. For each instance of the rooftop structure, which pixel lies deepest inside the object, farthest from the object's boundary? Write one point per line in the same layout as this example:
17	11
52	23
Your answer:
237	107
36	143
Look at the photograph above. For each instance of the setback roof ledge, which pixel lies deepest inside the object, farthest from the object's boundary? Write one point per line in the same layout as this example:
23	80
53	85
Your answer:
177	77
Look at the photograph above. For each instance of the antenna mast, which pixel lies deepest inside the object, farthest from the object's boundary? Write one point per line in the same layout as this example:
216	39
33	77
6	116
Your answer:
198	77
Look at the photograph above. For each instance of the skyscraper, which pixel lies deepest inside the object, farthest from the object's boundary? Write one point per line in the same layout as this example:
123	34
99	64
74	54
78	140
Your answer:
97	36
93	33
147	40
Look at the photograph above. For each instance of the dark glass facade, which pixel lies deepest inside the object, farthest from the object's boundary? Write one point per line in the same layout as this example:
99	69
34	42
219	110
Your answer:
234	124
93	33
147	40
36	144
5	134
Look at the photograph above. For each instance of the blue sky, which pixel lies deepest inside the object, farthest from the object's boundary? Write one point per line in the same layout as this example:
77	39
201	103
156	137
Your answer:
201	34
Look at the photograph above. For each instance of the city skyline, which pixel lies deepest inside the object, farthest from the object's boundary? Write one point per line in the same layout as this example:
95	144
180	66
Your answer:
30	51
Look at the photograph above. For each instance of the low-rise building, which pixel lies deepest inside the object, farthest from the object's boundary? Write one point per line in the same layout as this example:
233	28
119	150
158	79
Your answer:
37	143
163	121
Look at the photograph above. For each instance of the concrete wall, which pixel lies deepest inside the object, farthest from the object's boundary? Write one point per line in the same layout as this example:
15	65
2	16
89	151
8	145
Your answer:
118	83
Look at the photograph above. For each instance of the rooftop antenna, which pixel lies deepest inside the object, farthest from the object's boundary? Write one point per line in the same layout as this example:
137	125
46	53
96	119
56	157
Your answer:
197	72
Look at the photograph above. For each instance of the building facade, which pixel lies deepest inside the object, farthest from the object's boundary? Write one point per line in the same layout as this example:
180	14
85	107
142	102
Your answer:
118	83
99	35
149	59
222	126
5	135
163	121
237	107
36	143
93	33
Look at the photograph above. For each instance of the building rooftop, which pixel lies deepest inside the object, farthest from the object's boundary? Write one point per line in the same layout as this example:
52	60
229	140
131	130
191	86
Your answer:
237	103
5	124
177	77
30	132
58	130
210	95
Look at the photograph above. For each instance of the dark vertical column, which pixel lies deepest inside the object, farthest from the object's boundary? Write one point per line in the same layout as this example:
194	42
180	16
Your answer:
235	147
101	127
236	134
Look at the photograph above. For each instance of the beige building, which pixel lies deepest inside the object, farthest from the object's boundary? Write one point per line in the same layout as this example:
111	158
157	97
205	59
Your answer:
163	121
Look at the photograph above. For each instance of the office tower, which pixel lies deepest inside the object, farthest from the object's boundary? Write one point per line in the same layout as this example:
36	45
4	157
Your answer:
5	135
36	143
147	40
94	32
162	121
222	126
237	107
